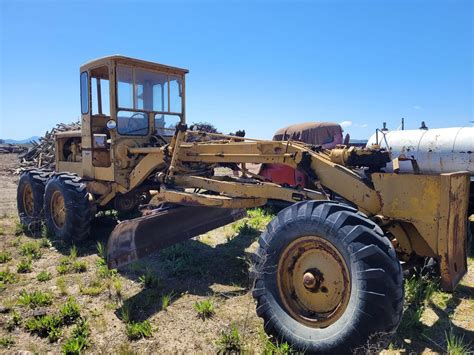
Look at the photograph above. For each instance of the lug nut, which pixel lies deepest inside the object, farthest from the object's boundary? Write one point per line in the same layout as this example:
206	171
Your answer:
309	280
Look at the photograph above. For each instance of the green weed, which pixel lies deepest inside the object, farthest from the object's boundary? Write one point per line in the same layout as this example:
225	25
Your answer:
456	345
205	309
19	228
79	339
138	330
117	283
6	342
125	313
229	340
277	348
35	299
45	242
419	289
30	250
5	257
70	264
24	266
43	276
79	266
149	279
7	277
69	311
14	321
45	326
94	288
61	285
73	252
256	220
101	252
166	300
46	234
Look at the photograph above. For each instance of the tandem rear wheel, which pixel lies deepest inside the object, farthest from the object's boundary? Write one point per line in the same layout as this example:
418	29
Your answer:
29	200
67	209
327	279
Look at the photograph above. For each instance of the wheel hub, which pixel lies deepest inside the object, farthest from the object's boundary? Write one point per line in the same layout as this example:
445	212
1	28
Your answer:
314	282
58	209
28	200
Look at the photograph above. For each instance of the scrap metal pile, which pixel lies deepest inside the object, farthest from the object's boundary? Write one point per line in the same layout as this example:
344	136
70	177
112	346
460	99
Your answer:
41	155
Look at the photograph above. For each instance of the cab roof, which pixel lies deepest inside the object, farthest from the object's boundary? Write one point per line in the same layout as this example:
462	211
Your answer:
120	59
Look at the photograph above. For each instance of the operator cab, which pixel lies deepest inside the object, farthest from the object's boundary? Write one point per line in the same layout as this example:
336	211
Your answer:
125	103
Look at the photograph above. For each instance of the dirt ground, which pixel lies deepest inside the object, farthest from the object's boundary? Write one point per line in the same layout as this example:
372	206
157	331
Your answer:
211	267
8	184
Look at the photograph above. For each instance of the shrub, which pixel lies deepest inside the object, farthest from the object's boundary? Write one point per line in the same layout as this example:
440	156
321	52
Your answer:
204	308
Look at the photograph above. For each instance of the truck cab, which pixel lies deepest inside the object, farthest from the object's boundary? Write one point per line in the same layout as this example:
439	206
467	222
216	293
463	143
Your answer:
125	103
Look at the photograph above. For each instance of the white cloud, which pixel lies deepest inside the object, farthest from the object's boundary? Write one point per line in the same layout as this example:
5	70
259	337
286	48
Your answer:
346	123
364	125
416	107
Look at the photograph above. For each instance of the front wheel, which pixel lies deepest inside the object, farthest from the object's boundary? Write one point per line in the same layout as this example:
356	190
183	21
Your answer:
327	279
67	208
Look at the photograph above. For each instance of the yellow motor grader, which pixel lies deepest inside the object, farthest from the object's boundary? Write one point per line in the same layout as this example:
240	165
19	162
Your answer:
328	270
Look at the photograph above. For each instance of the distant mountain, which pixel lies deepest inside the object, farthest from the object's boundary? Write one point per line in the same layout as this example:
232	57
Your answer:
20	141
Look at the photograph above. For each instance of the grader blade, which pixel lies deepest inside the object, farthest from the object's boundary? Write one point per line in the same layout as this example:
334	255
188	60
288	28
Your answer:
134	239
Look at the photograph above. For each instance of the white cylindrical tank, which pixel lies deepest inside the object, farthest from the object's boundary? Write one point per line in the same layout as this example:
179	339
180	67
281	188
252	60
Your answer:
437	150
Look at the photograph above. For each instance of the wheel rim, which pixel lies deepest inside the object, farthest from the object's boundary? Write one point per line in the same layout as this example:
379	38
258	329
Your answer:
313	281
58	209
28	200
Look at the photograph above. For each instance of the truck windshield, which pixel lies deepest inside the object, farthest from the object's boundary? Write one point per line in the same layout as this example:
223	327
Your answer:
139	89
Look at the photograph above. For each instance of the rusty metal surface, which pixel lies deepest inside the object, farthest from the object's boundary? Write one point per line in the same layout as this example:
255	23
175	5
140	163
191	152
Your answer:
313	281
317	133
434	208
137	238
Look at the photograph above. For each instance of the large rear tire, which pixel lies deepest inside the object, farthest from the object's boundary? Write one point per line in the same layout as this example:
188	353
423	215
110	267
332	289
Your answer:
67	209
29	200
327	279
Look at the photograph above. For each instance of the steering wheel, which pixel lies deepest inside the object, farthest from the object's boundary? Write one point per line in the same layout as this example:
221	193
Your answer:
134	124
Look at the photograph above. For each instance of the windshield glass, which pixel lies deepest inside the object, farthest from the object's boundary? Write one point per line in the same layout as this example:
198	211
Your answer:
139	89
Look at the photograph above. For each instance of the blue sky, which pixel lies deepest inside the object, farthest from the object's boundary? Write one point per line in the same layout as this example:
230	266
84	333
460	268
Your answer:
256	65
